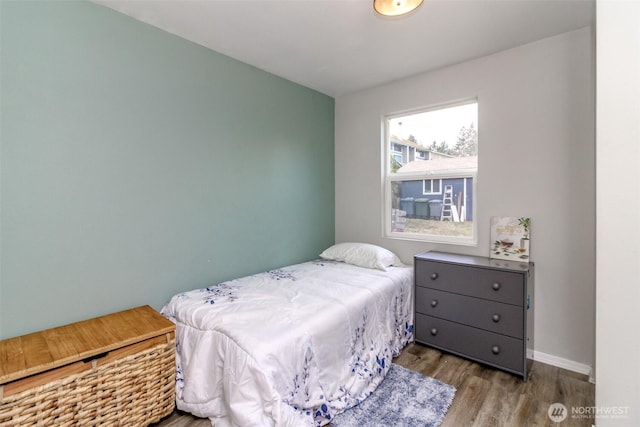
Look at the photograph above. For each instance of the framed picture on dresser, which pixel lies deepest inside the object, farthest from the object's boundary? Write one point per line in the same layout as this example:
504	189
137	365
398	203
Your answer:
510	238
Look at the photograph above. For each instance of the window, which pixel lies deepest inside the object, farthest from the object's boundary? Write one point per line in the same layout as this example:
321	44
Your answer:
431	186
433	197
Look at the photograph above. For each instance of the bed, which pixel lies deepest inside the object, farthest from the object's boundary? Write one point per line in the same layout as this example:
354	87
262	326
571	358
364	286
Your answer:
293	346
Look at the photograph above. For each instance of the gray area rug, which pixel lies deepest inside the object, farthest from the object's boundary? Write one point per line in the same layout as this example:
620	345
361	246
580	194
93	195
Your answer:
404	399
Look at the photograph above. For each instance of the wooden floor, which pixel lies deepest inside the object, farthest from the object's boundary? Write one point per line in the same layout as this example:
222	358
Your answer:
485	396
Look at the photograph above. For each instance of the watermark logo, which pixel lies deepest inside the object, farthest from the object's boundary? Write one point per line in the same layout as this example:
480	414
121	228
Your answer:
557	412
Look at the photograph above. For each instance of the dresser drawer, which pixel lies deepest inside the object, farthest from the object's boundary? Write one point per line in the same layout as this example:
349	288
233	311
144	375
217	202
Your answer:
496	285
493	316
494	349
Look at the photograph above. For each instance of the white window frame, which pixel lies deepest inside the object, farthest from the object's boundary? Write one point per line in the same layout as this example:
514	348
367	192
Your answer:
389	178
425	193
393	150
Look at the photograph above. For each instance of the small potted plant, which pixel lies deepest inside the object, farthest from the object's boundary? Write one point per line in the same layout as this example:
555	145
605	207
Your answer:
524	242
526	223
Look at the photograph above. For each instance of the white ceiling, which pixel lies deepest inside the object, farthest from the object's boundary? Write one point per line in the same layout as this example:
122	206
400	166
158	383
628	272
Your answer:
341	46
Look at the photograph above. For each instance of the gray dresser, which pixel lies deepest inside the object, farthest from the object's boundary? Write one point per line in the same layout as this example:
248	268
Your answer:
475	307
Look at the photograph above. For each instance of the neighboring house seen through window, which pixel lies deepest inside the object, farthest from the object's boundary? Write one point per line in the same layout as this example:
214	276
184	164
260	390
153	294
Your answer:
431	174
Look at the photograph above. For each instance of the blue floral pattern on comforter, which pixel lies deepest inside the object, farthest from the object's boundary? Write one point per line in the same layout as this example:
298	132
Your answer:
289	347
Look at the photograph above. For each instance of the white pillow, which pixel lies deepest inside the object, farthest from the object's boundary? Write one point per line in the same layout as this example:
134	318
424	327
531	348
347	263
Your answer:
362	255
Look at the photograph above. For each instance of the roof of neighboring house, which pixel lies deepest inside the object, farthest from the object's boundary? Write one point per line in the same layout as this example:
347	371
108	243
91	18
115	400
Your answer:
442	164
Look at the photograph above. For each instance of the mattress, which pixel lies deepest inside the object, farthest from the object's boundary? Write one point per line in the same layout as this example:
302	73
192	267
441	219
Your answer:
289	347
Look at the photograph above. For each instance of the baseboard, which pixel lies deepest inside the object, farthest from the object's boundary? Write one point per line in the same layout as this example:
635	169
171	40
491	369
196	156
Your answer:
560	362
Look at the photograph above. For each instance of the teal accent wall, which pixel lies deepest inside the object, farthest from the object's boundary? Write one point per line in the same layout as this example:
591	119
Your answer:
136	165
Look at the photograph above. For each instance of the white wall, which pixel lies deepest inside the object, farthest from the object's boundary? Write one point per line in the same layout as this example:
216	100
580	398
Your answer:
536	145
618	189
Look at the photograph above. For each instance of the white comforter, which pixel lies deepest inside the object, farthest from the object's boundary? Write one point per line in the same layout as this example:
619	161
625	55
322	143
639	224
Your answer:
289	347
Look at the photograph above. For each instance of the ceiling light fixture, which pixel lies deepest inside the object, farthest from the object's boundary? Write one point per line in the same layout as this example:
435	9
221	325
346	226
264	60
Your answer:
395	7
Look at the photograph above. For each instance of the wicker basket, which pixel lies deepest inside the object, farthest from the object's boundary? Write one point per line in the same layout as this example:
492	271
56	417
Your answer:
134	390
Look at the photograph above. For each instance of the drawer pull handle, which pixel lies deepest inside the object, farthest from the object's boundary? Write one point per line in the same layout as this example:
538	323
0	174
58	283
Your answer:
495	286
434	303
434	276
434	331
495	349
495	317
